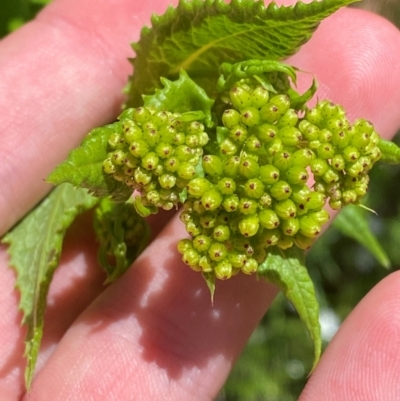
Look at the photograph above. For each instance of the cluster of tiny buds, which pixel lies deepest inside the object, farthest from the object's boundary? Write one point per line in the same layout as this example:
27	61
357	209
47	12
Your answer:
155	153
256	192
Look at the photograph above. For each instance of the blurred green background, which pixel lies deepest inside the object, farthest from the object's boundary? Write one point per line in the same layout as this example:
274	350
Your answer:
278	356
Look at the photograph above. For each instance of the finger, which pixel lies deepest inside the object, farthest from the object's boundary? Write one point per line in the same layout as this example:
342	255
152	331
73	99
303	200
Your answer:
62	75
362	361
154	332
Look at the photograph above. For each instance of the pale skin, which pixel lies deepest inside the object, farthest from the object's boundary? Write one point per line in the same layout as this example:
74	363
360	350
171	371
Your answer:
153	334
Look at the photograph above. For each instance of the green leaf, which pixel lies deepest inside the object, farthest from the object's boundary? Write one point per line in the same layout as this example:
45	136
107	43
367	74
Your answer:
352	222
390	152
84	166
198	36
122	235
170	98
35	248
287	270
209	278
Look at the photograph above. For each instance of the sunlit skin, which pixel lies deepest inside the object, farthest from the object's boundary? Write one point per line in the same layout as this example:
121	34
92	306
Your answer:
153	334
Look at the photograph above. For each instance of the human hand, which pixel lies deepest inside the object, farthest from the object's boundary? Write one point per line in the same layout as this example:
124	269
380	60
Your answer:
153	334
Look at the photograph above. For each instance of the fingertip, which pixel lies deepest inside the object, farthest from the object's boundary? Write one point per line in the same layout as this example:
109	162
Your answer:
363	360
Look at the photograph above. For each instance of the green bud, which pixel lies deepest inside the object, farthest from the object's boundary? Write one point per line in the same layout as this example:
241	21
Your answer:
313	115
207	220
221	233
354	169
281	190
259	97
178	138
285	209
151	136
338	162
211	199
249	168
238	133
153	197
141	115
360	139
290	226
133	134
303	242
206	264
184	245
289	119
290	136
350	154
186	171
282	102
250	117
119	176
270	237
201	243
296	175
248	226
325	151
237	259
243	245
363	125
172	164
227	186
212	165
335	205
285	242
197	187
325	136
336	125
231	166
282	160
194	128
331	176
131	161
316	200
341	139
250	266
247	206
150	161
254	188
116	141
270	113
309	131
184	153
319	167
192	258
253	144
322	216
303	157
192	140
223	270
230	118
274	146
228	147
139	148
309	227
108	166
217	251
330	110
349	196
269	174
267	132
142	176
268	219
300	194
118	157
240	98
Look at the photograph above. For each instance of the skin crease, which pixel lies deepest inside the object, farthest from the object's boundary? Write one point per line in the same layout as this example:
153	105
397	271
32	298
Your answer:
153	334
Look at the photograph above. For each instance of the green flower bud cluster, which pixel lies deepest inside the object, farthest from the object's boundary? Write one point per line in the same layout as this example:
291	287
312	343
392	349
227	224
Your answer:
345	153
255	192
155	153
